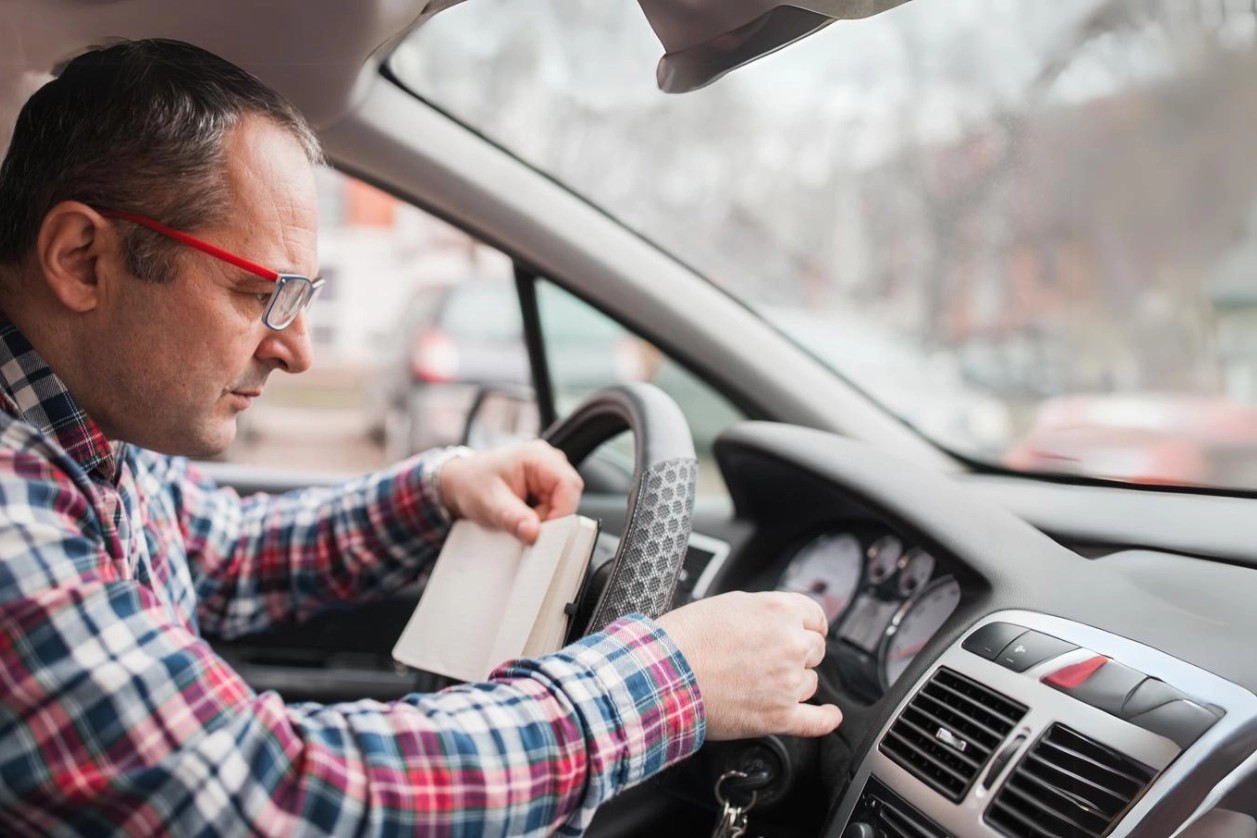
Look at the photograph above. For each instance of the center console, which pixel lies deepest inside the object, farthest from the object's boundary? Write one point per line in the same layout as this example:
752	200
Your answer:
1032	725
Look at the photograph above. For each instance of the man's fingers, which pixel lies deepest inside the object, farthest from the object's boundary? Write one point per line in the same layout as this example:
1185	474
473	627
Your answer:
813	615
810	684
510	513
563	500
554	483
528	529
813	720
817	654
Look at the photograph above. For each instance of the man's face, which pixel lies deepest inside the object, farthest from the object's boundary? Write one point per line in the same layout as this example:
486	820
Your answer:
184	358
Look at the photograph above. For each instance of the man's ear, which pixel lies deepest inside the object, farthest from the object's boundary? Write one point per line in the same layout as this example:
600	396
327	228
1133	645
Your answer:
73	242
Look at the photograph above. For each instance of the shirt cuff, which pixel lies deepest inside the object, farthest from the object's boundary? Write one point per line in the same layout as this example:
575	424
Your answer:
646	696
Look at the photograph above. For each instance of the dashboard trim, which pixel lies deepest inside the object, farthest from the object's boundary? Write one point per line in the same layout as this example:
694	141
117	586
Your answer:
1048	706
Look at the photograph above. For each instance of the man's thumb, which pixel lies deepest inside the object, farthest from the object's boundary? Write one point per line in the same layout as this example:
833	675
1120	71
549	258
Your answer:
516	517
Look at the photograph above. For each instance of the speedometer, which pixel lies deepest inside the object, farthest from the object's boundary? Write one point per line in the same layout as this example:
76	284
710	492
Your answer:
914	625
828	570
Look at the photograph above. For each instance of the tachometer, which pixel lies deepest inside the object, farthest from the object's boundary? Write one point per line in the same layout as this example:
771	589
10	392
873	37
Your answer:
828	570
884	555
914	625
915	570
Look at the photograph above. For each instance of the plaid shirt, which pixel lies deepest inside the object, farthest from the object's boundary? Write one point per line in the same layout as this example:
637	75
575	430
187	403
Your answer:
117	717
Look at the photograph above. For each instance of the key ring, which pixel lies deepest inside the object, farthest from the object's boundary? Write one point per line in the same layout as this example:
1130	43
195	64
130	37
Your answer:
724	801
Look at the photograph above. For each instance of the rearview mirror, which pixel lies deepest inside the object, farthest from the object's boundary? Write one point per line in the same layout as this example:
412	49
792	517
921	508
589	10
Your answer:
499	416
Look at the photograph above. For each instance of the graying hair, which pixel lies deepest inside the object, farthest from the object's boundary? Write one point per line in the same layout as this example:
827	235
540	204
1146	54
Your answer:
136	126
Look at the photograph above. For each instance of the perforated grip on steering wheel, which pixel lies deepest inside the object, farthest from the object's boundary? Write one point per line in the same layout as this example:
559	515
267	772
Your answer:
661	500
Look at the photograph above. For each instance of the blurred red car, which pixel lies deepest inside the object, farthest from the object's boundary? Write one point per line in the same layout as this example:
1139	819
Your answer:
1150	438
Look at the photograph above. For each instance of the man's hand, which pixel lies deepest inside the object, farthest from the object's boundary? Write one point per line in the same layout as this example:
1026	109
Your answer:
754	656
513	488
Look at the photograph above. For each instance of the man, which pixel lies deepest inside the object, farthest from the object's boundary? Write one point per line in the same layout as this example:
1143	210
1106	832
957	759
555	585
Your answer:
157	235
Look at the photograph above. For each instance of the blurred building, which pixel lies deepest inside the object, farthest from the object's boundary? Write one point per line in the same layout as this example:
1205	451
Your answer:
374	250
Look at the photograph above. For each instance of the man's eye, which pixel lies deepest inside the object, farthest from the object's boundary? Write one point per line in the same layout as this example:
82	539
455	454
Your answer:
263	299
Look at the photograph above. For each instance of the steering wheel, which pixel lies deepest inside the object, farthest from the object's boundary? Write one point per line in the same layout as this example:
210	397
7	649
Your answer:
644	572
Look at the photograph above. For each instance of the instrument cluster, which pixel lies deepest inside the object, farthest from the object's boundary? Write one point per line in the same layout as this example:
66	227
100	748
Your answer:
884	599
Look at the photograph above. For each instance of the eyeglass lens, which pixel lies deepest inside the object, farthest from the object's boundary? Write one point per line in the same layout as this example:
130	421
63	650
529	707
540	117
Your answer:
292	295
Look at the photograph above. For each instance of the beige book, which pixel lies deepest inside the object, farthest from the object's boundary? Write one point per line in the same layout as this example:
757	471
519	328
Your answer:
491	598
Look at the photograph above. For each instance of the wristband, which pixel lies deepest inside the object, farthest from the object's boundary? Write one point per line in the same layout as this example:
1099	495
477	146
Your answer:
432	474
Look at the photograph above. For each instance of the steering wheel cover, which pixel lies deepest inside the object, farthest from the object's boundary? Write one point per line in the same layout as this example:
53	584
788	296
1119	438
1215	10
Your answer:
656	535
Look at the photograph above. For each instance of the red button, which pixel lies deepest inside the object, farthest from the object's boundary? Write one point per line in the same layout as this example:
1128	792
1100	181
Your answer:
1076	674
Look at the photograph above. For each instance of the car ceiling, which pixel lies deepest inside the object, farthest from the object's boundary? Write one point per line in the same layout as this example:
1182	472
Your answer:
318	53
321	54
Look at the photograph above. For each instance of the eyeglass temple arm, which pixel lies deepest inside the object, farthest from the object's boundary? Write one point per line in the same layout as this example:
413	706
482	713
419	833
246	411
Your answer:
193	242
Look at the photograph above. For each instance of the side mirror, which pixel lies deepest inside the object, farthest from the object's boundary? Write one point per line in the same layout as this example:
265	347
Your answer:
499	416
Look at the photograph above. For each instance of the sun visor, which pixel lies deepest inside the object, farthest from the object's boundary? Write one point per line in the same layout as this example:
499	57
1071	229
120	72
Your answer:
704	39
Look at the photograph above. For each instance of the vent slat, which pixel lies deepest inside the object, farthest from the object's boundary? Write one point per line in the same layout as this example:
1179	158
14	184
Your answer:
938	709
1107	770
957	776
891	816
949	725
963	697
1055	815
1036	762
928	734
947	732
1010	710
1067	784
903	824
1021	825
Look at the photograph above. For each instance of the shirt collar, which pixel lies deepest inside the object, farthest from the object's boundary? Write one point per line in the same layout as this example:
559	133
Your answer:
30	390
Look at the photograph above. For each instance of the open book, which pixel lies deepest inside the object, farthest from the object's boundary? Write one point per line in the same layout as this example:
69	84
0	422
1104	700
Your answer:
491	598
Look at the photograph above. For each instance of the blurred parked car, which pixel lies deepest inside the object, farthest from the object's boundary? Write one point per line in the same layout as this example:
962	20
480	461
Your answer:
1152	438
455	339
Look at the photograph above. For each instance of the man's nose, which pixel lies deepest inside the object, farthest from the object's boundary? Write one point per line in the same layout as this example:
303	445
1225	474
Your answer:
289	349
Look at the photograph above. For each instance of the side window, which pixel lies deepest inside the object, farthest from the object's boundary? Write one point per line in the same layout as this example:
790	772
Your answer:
414	316
587	350
415	320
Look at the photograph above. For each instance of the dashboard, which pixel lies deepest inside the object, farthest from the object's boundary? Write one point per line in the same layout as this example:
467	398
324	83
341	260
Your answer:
885	598
994	681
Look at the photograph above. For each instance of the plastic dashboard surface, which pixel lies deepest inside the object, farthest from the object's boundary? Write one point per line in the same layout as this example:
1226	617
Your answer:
1161	610
1011	791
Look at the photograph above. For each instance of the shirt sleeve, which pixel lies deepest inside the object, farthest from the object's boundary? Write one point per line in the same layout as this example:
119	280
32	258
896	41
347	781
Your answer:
116	718
265	558
129	724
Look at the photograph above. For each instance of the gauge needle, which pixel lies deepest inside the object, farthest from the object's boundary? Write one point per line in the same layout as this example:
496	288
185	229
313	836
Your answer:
909	652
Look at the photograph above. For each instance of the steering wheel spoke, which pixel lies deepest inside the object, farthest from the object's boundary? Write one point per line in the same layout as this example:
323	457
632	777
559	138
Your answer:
644	572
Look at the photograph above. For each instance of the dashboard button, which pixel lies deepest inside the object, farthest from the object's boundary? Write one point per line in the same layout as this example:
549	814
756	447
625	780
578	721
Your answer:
1031	648
1181	720
1072	676
989	641
1151	694
1105	687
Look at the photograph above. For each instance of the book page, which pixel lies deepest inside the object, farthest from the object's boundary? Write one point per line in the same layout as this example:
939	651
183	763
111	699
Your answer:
455	625
552	621
536	576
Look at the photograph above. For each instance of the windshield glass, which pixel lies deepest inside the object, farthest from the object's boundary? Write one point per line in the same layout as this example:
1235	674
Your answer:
1029	229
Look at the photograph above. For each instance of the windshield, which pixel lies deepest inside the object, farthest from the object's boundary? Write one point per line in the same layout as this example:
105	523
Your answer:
1029	229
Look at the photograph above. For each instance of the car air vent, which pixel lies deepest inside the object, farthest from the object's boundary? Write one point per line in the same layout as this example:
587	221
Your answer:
949	730
887	814
1067	785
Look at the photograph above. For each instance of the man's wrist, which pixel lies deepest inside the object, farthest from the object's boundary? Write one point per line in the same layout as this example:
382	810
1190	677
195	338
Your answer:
433	466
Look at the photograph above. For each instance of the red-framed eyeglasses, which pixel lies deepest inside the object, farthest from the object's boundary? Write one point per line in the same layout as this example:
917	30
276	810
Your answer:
292	295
